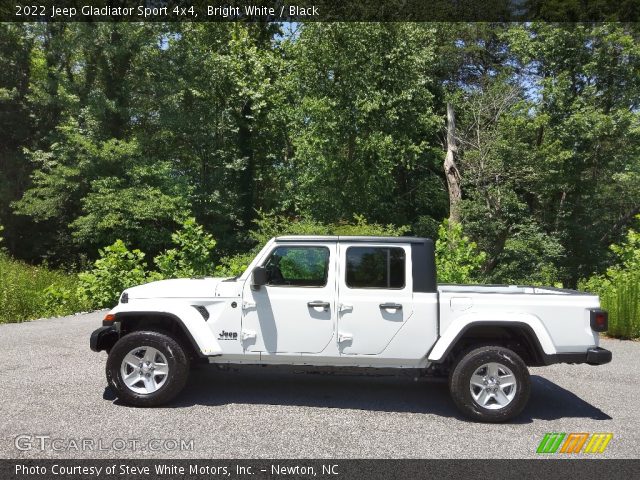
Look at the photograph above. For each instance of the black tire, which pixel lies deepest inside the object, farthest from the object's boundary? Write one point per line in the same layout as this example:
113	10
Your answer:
473	361
177	362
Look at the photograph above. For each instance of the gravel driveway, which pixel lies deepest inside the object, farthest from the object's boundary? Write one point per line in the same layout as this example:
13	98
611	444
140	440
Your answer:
54	397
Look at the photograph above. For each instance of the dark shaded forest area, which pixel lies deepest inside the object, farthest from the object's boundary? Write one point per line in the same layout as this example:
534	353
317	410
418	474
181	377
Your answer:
123	130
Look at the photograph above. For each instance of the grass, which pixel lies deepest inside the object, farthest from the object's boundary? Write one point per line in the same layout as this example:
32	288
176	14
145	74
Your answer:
28	292
621	298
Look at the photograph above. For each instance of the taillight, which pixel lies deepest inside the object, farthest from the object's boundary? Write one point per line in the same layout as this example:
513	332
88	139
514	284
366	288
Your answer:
599	320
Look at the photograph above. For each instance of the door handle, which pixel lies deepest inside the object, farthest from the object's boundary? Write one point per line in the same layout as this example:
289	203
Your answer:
343	307
345	337
319	304
247	335
248	305
391	306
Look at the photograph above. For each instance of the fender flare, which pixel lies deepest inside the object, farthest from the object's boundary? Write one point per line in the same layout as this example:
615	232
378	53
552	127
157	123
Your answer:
189	320
530	323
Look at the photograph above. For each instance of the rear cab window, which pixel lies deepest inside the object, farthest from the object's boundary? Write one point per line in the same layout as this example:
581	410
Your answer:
375	267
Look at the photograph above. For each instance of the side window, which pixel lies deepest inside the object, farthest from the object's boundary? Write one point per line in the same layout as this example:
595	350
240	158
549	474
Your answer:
375	267
298	266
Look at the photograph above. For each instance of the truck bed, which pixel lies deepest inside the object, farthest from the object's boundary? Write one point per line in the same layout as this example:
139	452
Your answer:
561	314
526	289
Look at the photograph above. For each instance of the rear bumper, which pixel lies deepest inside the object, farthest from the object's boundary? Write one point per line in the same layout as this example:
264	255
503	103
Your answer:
593	356
598	356
103	338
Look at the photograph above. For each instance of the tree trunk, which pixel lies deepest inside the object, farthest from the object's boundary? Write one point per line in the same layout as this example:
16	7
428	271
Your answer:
451	168
247	176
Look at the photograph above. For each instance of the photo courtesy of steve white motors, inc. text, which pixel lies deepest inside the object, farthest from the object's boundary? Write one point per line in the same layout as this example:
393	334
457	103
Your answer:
170	469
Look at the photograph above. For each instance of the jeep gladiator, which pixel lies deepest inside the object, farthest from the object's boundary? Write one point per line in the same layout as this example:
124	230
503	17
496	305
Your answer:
338	301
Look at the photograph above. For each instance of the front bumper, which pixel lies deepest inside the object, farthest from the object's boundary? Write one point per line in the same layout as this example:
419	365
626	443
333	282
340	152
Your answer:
103	338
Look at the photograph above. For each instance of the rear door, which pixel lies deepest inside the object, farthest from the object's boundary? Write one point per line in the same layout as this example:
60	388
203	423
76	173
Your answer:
375	295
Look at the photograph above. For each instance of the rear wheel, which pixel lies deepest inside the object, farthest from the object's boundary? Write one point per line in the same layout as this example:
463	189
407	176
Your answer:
490	384
147	368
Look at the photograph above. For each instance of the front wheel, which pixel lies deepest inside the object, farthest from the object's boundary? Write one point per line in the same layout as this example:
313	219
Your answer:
490	384
147	368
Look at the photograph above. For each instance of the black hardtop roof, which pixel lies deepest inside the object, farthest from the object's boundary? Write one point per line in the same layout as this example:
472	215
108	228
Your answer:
349	238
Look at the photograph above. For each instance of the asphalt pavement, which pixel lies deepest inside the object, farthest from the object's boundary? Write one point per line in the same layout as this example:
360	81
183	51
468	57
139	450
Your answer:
54	403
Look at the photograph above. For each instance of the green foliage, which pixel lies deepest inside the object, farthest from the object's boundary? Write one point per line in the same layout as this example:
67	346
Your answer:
64	299
269	225
360	226
458	259
619	294
628	252
120	130
529	257
117	268
426	226
364	123
192	256
28	292
619	288
235	265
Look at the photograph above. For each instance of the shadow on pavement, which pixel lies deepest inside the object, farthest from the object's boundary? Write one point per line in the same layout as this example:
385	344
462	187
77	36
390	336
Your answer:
549	401
210	386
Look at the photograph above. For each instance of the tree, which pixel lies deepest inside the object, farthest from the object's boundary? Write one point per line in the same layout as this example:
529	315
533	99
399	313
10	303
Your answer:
585	113
364	129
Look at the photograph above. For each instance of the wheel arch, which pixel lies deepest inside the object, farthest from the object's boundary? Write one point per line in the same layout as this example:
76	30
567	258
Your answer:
161	322
518	336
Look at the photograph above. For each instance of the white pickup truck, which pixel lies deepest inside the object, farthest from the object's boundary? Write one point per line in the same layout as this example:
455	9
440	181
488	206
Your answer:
349	302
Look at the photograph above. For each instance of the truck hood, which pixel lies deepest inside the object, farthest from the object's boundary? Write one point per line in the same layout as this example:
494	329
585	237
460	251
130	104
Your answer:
176	288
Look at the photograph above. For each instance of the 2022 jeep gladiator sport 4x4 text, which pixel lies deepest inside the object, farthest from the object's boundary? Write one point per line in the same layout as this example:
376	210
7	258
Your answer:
349	302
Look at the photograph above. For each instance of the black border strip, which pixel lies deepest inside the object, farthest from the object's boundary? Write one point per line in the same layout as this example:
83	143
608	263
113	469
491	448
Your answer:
546	467
321	10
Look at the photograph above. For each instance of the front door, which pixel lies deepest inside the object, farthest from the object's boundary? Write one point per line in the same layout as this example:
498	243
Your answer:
295	311
375	296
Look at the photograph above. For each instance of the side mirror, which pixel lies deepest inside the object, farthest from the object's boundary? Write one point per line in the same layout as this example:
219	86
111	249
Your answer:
259	277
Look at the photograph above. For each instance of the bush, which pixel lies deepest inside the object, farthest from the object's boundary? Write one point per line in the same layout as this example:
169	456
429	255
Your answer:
28	292
117	268
619	288
64	299
192	255
457	258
